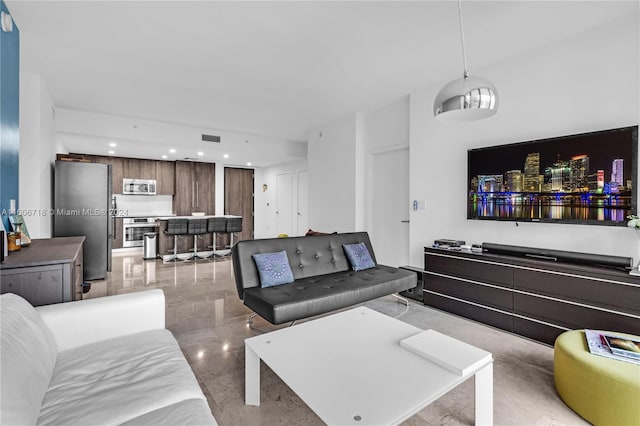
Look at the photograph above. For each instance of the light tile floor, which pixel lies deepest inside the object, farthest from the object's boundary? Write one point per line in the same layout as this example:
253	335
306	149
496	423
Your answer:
209	321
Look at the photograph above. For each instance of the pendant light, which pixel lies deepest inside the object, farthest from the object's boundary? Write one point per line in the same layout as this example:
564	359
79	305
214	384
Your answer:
468	98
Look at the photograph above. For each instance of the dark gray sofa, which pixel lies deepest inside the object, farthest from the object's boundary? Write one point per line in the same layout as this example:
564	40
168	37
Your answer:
324	280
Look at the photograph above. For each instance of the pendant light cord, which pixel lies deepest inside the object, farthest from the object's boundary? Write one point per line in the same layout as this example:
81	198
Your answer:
464	54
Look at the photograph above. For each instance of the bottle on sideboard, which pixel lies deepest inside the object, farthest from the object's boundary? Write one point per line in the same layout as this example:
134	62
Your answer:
13	240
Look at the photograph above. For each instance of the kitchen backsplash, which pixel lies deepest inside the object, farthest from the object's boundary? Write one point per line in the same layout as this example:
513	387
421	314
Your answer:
144	205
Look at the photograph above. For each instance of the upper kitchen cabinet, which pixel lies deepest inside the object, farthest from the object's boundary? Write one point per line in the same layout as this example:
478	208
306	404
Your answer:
163	172
135	168
79	158
194	188
165	177
117	172
205	177
182	202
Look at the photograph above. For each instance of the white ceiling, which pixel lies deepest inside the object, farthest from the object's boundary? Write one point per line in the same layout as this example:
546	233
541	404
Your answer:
274	68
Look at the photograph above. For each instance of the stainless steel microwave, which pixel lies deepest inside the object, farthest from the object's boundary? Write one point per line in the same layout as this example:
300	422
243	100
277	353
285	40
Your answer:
139	186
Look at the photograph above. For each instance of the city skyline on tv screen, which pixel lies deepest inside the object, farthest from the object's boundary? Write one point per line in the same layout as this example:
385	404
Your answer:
583	178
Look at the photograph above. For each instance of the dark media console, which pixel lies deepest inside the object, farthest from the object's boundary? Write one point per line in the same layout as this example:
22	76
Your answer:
535	297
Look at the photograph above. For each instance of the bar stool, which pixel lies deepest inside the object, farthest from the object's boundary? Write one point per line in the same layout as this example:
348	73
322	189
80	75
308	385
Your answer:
175	227
196	228
234	225
215	225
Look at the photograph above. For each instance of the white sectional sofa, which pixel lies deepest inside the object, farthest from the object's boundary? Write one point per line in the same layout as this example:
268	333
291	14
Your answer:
104	361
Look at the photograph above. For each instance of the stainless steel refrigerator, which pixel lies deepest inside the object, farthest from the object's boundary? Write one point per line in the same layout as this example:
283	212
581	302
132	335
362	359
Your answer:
82	203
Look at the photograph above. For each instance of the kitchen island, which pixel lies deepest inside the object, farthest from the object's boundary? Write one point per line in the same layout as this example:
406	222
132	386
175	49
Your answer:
185	242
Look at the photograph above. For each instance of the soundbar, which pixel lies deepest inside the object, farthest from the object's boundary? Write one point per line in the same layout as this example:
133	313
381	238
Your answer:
559	255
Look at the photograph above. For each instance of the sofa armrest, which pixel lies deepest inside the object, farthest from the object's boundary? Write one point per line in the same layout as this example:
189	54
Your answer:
87	321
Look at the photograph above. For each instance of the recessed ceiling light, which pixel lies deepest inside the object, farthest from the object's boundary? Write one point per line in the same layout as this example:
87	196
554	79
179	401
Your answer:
164	156
111	152
200	153
113	144
226	156
248	164
172	151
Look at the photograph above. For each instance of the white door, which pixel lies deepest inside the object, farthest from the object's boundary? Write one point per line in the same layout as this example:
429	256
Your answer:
284	204
303	202
390	207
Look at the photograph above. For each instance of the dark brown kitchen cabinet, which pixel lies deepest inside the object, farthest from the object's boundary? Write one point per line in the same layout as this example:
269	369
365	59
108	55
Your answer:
135	168
165	177
205	176
117	175
238	198
80	158
194	188
132	168
118	234
116	171
165	242
182	202
194	192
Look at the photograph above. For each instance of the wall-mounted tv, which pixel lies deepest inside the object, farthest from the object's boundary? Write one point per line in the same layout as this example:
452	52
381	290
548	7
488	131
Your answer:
588	178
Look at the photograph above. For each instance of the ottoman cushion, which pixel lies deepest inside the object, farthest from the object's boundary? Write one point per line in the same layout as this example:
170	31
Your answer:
601	390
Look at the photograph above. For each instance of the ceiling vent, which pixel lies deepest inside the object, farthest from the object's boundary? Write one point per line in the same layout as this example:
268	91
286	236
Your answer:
190	159
211	138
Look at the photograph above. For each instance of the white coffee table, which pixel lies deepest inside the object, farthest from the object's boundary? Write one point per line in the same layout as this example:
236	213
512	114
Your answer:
349	368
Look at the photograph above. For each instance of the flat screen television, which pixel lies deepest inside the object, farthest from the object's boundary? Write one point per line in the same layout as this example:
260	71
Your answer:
587	178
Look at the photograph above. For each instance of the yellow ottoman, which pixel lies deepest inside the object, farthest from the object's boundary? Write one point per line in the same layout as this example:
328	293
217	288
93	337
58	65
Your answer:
601	390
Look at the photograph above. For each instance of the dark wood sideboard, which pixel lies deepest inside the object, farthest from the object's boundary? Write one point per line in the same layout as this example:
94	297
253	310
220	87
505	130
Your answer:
534	298
49	270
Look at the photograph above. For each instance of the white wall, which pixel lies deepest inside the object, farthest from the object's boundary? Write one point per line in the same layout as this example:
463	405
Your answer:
340	171
360	175
384	129
387	127
37	154
586	83
332	176
265	201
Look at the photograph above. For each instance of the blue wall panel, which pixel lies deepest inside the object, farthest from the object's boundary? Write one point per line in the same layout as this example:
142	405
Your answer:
9	110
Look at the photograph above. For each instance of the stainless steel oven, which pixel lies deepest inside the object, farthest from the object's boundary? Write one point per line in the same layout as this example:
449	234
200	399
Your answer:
134	229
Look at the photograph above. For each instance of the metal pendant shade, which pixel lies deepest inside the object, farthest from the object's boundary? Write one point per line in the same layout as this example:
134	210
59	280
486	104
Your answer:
467	98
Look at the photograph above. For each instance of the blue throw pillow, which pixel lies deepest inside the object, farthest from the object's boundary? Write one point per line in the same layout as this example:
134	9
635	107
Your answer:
273	268
358	256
